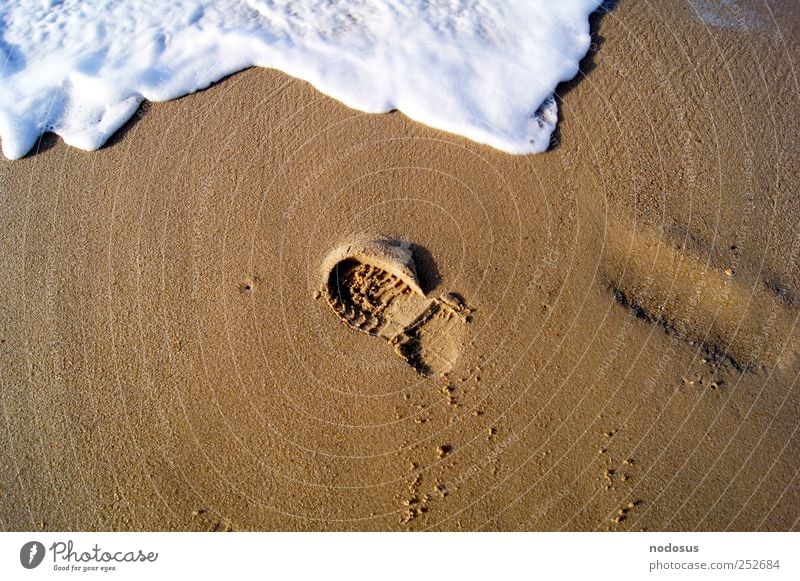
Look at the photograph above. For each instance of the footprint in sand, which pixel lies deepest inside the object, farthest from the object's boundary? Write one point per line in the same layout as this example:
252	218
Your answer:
372	286
744	322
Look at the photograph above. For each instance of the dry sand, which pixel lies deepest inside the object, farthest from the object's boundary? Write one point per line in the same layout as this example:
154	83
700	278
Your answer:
631	361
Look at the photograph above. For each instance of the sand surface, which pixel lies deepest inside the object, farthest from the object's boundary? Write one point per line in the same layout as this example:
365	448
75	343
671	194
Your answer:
630	357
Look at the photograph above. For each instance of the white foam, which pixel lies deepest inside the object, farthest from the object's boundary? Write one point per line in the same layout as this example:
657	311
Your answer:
484	69
729	14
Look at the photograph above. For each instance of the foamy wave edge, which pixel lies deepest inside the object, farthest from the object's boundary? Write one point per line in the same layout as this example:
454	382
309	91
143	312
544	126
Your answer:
481	69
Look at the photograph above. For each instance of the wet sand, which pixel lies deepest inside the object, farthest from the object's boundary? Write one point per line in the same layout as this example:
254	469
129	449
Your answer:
630	360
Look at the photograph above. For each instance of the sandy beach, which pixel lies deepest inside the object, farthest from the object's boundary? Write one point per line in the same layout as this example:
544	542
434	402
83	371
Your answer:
627	357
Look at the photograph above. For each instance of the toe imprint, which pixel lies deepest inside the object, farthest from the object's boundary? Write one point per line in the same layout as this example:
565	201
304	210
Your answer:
373	288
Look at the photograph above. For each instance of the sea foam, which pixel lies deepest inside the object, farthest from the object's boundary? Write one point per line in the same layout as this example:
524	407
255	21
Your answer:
484	69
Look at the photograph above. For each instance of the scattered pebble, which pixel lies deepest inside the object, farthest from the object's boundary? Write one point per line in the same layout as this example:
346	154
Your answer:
622	514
